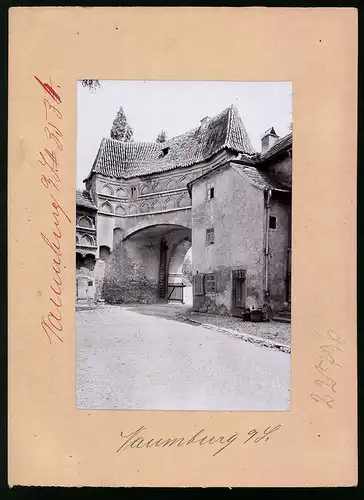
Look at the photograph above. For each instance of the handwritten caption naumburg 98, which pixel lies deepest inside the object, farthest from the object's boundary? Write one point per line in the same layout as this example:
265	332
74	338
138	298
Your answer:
50	179
137	439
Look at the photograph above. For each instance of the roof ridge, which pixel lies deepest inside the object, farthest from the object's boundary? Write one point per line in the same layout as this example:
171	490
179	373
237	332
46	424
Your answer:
235	115
100	151
284	137
216	117
116	141
228	128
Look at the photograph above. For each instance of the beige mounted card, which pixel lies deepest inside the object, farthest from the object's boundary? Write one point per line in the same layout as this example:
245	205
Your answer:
156	370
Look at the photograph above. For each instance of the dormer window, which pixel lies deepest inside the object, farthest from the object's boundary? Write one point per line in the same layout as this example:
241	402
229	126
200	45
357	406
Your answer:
165	151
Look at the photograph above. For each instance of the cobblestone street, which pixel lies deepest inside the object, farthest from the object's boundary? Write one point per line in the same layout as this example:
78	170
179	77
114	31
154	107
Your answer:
132	360
273	330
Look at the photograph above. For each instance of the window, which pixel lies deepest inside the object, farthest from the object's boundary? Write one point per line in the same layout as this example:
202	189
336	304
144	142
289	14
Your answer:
90	283
210	191
198	282
272	222
87	240
85	222
210	236
210	283
133	191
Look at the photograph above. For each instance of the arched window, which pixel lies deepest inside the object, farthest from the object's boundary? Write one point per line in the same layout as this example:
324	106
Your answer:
120	210
106	207
106	189
184	201
156	186
87	240
85	221
157	206
171	184
169	204
104	252
145	189
144	207
122	193
184	180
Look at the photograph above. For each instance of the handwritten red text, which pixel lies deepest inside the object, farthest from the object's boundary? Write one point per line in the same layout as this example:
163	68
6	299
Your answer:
50	179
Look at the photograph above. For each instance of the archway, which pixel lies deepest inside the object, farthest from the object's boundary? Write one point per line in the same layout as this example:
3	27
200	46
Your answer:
85	282
180	272
140	264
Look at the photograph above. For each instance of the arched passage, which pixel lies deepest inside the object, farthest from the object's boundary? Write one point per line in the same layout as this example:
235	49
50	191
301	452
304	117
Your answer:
140	263
180	272
177	258
85	282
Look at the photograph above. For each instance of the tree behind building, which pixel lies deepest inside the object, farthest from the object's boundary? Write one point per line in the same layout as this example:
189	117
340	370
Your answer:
162	136
121	130
93	85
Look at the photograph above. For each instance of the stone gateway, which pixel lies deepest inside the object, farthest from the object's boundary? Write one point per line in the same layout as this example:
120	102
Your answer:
146	205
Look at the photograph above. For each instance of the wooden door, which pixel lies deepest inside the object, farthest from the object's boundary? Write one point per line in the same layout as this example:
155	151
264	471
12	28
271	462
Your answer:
238	292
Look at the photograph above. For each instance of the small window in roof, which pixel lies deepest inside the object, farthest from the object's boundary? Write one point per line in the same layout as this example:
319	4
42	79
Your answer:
165	151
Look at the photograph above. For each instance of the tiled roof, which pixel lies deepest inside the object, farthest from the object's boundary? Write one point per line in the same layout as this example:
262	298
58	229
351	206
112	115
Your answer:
260	178
83	199
270	131
131	159
282	144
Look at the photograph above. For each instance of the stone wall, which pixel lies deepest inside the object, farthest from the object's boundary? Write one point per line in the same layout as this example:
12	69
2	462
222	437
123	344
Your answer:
131	274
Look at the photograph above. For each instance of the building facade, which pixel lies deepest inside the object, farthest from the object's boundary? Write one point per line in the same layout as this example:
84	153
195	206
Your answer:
208	188
241	234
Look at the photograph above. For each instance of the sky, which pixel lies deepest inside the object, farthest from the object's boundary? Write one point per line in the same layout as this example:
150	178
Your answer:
176	107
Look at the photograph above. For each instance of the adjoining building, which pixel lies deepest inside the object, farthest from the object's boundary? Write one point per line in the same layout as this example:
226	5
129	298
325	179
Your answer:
86	248
207	188
241	232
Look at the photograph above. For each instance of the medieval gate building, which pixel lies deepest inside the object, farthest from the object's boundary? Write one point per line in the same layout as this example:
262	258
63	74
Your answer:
140	194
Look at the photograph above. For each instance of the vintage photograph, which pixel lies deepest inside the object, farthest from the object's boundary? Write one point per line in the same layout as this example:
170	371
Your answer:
183	245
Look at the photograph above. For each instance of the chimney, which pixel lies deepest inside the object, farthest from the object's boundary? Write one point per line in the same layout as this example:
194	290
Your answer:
205	121
269	138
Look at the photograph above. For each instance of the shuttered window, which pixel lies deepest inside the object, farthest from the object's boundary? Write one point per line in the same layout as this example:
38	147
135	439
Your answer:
198	284
210	283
